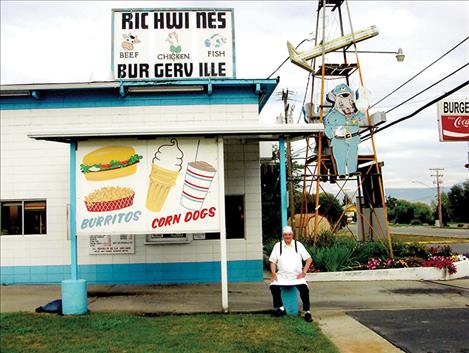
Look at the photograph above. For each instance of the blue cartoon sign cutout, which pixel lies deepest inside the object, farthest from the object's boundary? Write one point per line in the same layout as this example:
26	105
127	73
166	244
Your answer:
341	126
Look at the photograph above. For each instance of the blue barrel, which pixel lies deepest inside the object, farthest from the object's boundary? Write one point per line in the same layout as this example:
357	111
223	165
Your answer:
290	299
74	297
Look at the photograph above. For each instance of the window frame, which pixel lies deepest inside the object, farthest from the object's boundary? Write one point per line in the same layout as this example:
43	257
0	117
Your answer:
22	201
216	235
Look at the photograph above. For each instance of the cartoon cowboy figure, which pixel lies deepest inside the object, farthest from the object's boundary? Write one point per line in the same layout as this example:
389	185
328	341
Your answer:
341	125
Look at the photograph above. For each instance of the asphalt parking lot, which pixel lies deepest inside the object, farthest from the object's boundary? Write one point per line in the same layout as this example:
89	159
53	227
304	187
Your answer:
439	330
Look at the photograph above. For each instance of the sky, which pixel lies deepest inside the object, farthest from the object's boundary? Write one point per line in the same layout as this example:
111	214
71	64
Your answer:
70	41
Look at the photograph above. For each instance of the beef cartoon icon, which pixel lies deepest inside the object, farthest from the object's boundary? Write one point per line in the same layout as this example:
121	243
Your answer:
129	41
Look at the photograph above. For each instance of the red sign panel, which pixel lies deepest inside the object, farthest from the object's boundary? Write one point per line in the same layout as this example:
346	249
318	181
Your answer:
453	117
455	128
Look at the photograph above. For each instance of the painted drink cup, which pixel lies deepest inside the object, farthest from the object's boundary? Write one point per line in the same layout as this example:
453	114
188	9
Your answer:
199	176
161	182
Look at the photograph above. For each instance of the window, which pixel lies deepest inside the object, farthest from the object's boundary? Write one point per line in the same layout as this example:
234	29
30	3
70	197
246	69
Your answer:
23	217
234	218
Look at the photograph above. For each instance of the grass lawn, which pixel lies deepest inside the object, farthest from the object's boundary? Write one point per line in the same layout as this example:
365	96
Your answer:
116	332
416	238
426	239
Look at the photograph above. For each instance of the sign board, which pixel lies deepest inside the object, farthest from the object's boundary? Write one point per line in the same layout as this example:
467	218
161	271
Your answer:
157	186
158	44
453	120
112	244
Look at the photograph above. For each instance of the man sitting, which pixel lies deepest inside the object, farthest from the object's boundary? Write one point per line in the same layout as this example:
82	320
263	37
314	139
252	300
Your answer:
287	270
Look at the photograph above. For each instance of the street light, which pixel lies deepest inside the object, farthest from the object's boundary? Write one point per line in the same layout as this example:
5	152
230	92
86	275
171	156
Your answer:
399	53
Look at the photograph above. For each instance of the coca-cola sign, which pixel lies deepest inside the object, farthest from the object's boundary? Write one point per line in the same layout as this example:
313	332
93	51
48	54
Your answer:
453	118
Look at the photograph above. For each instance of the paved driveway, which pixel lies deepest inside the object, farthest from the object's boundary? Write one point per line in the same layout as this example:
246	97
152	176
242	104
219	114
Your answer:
421	331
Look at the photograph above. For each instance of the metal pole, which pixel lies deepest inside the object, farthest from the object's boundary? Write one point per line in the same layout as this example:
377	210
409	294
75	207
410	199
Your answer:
440	211
283	182
221	207
291	203
321	116
73	197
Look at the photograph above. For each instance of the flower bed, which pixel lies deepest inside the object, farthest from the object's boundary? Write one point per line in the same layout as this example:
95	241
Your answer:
333	254
393	274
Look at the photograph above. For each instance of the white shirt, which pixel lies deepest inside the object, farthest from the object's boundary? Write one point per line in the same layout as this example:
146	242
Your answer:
289	264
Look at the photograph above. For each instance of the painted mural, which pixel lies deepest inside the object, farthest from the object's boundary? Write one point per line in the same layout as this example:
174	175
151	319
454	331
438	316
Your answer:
159	186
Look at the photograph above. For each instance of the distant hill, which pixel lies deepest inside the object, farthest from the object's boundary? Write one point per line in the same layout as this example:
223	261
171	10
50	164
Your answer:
426	195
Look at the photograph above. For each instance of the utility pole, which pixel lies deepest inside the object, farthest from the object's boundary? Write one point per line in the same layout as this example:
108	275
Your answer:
287	112
438	182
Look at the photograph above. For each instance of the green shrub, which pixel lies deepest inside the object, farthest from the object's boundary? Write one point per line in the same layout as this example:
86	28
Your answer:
332	259
326	239
413	261
403	250
416	222
268	247
440	251
346	241
367	250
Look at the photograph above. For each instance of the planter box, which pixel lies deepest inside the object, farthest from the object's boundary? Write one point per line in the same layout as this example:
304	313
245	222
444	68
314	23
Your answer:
393	274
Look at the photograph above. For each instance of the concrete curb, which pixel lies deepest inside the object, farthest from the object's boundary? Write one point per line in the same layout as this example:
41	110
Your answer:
393	274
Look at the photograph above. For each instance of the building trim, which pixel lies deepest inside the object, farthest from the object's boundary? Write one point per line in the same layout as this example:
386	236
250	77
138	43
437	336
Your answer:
136	273
138	93
268	132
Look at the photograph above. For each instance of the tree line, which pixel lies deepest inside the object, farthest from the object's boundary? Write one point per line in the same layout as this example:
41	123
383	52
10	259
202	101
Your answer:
454	205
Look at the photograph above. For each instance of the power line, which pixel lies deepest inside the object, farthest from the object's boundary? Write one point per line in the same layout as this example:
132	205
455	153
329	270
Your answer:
414	102
418	110
426	89
441	57
304	98
284	61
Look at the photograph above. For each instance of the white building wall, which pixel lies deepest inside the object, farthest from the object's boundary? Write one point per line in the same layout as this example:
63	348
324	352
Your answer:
33	169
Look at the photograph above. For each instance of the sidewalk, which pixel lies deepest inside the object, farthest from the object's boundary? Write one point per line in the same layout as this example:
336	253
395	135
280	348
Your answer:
330	302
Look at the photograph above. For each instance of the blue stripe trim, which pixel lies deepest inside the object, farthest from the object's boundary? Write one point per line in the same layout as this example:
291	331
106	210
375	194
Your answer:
228	91
109	99
143	273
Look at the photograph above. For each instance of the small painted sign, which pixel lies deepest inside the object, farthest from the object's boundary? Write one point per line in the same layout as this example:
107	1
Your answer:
112	244
453	120
158	44
159	186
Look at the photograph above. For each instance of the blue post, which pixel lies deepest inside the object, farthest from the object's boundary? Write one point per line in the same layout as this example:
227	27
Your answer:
73	224
74	293
283	182
289	294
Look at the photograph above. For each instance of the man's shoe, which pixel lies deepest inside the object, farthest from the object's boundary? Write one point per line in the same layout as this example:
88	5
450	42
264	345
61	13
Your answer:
279	312
308	317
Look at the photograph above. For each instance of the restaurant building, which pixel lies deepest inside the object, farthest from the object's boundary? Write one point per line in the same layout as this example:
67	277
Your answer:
142	179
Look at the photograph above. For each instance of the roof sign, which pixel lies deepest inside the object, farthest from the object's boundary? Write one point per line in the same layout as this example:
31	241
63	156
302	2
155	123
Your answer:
149	44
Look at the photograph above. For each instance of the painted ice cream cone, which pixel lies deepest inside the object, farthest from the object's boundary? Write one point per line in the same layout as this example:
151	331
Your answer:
165	169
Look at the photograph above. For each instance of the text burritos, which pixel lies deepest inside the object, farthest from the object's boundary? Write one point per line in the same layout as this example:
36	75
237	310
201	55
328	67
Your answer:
110	162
